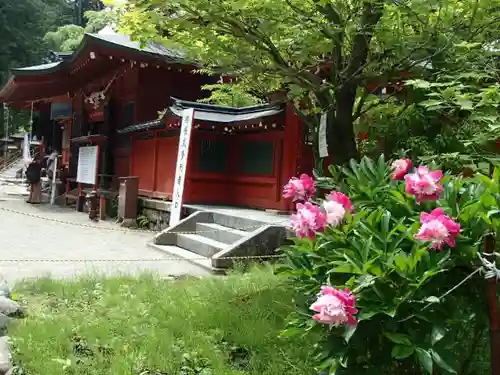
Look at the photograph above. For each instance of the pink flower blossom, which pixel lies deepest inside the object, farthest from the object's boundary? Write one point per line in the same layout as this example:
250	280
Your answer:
335	307
335	212
400	167
438	228
299	189
341	198
308	220
424	184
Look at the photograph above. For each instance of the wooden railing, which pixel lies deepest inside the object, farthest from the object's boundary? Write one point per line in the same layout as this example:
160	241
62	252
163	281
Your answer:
10	160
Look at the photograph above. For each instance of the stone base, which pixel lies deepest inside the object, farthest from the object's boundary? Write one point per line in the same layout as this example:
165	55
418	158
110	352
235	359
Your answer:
129	223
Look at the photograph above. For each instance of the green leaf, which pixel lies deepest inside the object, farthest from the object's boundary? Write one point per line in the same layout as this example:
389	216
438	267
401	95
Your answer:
432	103
441	363
398	338
437	334
349	332
432	299
365	315
401	262
386	219
464	103
425	359
290	332
402	351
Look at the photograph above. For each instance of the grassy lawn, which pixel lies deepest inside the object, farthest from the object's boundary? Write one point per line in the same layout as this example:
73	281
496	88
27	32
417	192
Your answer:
150	326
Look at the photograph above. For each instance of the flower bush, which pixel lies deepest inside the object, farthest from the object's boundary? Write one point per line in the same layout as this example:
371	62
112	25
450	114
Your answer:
377	256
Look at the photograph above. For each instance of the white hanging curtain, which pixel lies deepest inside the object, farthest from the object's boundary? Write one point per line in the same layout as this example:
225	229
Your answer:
26	148
27	157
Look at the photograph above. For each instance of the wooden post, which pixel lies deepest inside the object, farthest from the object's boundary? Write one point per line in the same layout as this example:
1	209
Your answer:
102	207
491	293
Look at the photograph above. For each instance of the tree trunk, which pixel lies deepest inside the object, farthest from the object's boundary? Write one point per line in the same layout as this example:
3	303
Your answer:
340	132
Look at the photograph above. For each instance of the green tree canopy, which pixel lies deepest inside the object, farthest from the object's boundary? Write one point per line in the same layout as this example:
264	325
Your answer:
322	53
22	26
66	38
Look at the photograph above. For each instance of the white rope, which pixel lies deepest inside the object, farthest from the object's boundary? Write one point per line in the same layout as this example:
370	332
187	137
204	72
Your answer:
6	128
489	269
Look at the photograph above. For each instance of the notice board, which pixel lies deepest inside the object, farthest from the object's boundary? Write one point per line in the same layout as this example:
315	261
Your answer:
87	165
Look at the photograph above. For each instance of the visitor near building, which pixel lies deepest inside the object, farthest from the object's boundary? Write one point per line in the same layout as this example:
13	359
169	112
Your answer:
33	175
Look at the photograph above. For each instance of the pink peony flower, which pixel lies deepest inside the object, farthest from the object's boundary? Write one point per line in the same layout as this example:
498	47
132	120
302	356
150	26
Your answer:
438	228
335	307
335	212
299	189
424	184
308	220
400	167
341	198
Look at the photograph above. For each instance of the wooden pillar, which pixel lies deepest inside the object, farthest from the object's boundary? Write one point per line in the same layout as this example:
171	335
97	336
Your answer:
155	159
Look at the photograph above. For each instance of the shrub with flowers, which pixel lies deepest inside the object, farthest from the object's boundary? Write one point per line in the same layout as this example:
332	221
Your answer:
378	252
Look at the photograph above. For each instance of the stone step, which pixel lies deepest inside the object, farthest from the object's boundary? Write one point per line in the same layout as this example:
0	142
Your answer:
179	253
200	245
220	233
12	180
236	222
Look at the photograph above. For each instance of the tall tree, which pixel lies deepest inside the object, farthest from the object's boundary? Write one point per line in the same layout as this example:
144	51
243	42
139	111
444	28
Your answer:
66	38
20	30
322	53
83	6
22	26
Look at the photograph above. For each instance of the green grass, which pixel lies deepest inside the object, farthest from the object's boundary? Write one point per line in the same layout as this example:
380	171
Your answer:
131	326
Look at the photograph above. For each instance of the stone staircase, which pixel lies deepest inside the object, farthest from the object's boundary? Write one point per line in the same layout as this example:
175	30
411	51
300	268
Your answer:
11	171
208	238
12	183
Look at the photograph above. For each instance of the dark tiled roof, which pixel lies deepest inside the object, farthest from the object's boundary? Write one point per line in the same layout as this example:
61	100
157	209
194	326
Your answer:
155	124
118	41
209	113
125	41
223	114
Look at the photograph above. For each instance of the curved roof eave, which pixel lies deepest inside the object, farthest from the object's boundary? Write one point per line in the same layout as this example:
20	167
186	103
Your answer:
38	69
124	42
114	41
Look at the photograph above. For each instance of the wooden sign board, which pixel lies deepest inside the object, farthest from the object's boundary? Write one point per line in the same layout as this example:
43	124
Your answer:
87	165
180	170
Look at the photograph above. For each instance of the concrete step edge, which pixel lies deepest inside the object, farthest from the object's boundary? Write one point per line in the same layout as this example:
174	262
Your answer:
189	256
218	227
203	239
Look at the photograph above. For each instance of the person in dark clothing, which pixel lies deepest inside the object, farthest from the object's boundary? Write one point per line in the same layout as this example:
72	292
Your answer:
33	175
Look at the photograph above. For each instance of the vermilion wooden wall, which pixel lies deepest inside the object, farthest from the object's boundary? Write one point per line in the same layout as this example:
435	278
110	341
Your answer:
154	161
234	188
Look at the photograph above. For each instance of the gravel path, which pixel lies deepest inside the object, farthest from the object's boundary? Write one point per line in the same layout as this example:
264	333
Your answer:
25	237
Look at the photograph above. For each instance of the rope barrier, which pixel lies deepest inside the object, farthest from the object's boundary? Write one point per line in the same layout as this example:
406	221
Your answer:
162	259
128	230
489	268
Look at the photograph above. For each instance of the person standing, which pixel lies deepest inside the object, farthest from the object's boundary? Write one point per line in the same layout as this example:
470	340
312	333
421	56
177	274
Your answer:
33	175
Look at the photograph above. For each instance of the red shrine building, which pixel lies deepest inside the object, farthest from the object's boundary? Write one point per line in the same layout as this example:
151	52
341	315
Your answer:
129	101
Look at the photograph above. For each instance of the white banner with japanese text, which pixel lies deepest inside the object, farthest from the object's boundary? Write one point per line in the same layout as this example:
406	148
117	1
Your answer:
180	169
